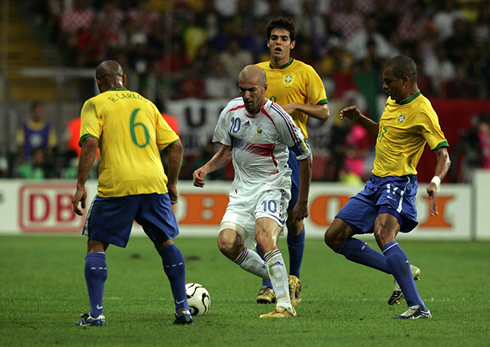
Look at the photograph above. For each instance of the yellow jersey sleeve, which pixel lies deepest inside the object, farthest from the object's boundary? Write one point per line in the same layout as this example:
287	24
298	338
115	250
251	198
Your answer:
91	124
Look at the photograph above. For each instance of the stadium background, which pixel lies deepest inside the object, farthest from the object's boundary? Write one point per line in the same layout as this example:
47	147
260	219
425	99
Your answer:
172	56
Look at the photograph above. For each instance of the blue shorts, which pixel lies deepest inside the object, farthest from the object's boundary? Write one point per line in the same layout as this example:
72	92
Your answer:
392	194
293	164
111	219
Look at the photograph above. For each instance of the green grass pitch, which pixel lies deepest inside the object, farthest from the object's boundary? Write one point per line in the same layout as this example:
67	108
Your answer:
344	304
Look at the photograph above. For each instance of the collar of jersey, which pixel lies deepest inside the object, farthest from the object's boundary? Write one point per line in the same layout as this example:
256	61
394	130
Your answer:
410	99
117	88
285	65
36	125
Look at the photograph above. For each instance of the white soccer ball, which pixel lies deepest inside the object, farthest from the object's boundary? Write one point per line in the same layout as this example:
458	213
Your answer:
198	299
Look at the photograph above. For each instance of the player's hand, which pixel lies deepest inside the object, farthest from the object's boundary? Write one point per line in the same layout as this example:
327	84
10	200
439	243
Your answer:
300	212
351	112
172	193
432	191
198	177
79	197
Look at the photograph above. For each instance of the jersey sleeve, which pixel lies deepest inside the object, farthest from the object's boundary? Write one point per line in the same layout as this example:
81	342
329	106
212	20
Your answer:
431	130
91	123
221	134
316	93
292	135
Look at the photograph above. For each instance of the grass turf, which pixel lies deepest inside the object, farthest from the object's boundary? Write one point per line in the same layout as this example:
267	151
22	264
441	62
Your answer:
344	304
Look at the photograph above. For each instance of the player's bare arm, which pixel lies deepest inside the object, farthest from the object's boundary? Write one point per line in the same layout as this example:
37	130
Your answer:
300	211
442	167
353	114
87	158
219	160
321	112
176	153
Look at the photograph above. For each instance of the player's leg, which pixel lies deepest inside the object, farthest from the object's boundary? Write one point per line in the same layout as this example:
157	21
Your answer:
266	234
266	293
231	242
396	205
295	239
95	278
109	221
356	217
158	221
386	228
270	214
296	229
174	267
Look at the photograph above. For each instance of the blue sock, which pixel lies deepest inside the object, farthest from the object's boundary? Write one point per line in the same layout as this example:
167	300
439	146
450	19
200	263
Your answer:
264	282
174	267
296	246
95	277
400	268
360	252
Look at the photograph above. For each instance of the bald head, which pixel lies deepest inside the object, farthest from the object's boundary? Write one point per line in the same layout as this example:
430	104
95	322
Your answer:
109	74
253	73
252	83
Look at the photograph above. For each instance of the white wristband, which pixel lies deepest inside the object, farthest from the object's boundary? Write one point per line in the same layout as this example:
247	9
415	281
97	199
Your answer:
437	181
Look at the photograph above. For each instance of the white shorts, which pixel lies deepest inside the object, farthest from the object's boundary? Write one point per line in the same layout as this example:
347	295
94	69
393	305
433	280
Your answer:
242	212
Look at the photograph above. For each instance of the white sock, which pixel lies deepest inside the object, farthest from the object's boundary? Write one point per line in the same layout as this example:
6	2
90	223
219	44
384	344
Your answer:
252	262
278	277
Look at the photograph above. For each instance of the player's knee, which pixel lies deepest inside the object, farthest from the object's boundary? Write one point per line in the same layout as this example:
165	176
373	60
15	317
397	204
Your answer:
336	234
383	235
162	243
295	227
330	238
226	244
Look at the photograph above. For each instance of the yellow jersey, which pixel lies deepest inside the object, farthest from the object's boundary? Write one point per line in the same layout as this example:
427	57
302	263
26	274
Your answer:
404	129
131	132
295	82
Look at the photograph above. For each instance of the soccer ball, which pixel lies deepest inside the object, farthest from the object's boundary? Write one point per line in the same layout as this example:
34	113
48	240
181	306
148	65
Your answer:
198	299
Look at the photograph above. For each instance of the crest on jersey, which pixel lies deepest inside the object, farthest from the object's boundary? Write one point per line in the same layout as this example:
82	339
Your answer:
258	134
401	118
288	79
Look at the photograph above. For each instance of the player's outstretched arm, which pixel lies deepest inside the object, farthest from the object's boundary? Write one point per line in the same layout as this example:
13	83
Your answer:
87	158
442	167
315	111
219	160
353	114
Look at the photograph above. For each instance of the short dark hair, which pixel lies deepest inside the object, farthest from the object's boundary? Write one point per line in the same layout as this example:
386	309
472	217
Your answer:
36	103
282	23
403	66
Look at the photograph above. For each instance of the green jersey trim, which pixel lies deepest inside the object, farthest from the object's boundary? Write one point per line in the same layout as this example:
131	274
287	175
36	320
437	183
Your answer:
116	88
410	99
442	144
285	65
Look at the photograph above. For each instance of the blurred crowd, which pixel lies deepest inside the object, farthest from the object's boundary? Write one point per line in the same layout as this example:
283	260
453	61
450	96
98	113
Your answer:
196	48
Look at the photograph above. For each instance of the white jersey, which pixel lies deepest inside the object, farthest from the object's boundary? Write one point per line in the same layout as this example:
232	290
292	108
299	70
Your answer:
259	146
